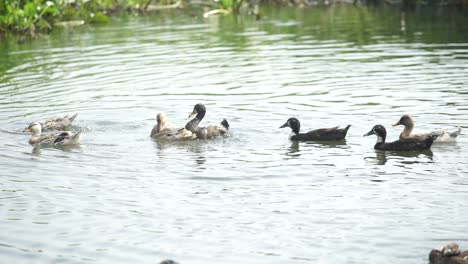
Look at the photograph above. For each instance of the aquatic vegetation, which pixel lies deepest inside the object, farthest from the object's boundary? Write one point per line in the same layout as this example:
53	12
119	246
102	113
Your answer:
28	17
24	16
225	7
32	16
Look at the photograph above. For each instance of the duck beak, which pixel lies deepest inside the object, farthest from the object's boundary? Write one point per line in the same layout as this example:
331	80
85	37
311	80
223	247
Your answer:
397	124
194	113
285	125
369	133
26	129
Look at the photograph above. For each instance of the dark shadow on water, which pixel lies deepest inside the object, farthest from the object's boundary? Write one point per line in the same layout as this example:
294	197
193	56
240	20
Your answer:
383	157
328	144
294	149
36	150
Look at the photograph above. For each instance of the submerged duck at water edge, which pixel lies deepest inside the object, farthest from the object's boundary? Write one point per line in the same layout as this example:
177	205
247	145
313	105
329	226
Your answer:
162	131
212	131
443	135
62	139
59	123
322	134
448	254
406	144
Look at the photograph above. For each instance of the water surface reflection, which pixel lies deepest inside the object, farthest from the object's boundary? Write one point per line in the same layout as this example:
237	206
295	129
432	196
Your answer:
404	157
255	197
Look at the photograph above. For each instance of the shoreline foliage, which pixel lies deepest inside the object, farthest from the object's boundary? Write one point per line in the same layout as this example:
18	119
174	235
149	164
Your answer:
30	17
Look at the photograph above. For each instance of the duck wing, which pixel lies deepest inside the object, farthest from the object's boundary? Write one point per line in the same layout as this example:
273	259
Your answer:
333	133
217	131
416	136
175	134
62	138
45	140
443	135
59	123
214	131
68	138
407	144
48	125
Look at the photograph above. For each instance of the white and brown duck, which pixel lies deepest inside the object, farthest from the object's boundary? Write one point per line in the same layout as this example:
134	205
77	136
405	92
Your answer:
61	139
58	123
448	254
446	135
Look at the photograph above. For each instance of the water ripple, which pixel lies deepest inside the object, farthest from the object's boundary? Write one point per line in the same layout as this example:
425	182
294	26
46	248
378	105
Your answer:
255	197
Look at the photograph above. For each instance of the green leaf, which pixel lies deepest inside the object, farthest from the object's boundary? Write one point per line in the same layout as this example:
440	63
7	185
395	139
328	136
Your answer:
30	9
226	3
19	13
99	18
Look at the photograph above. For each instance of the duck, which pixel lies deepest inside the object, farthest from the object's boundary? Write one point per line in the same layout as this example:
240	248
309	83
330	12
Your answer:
162	131
406	144
322	134
443	135
168	261
62	139
212	131
58	123
448	254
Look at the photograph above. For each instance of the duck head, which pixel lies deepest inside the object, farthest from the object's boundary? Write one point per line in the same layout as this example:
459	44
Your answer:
294	124
34	128
161	120
199	111
379	131
404	121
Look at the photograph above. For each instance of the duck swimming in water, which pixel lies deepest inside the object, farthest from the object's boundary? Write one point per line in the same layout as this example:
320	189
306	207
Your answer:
448	254
443	135
162	131
208	132
62	139
168	261
59	123
322	134
406	144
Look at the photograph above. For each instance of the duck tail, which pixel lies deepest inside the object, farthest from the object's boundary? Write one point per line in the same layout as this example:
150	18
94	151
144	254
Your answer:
430	139
73	117
225	124
76	138
455	133
346	129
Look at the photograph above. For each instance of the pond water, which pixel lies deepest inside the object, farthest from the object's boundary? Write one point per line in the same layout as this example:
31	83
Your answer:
255	197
